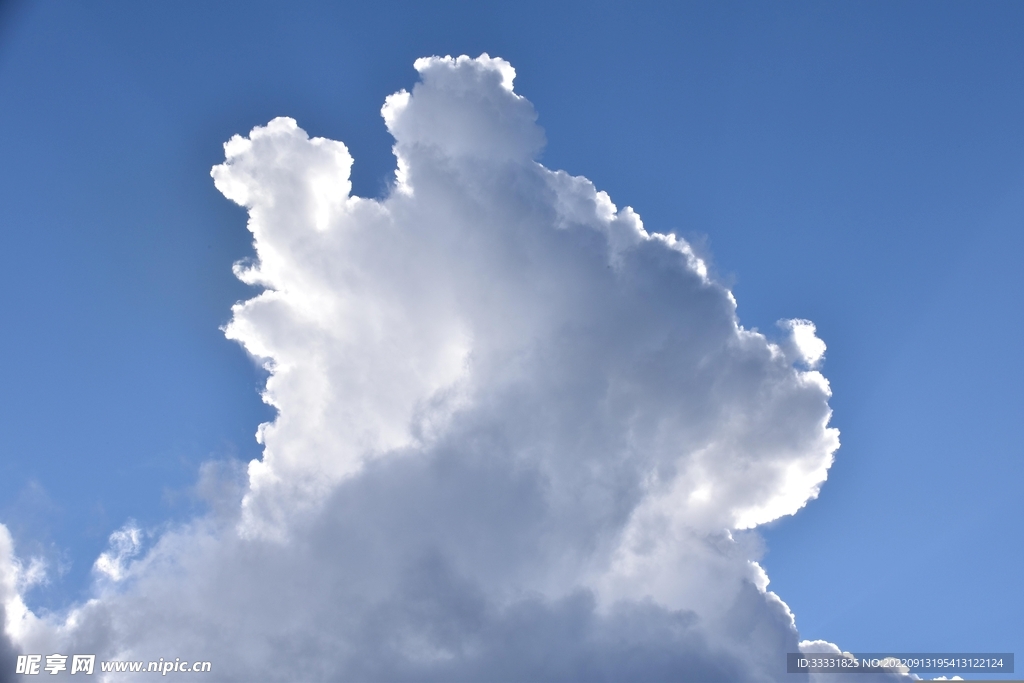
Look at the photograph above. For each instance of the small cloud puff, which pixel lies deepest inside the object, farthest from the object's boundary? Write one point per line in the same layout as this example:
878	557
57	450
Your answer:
125	543
803	344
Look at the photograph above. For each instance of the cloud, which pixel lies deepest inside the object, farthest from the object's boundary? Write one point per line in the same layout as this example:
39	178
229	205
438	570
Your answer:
519	436
15	579
803	343
8	594
824	647
125	544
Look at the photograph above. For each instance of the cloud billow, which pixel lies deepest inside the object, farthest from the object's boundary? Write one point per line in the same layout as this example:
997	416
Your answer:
519	437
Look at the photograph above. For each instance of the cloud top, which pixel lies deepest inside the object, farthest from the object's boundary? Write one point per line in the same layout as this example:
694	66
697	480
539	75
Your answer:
464	108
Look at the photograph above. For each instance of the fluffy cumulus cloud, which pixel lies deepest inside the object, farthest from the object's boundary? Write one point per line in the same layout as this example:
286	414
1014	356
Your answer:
519	436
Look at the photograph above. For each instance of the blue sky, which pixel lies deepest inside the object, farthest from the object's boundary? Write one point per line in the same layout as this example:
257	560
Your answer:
857	165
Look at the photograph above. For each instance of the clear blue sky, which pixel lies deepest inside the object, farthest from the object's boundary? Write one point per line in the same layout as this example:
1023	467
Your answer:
860	165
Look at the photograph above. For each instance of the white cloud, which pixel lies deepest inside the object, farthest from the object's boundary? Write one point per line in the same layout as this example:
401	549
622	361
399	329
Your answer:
803	343
825	647
518	435
125	543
